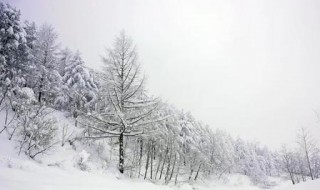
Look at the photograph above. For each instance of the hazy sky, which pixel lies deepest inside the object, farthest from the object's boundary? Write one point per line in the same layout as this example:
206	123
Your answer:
250	67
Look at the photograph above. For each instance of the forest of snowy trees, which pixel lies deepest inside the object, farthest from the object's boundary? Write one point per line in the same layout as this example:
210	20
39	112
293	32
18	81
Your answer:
114	115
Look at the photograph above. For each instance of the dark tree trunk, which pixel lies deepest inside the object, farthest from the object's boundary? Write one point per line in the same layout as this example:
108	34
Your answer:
196	177
159	164
147	163
174	164
168	167
309	166
191	172
164	161
121	154
151	158
292	180
40	90
39	97
140	158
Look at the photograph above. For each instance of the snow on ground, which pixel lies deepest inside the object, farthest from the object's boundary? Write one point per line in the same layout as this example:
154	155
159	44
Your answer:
309	185
19	172
33	176
36	177
58	170
22	173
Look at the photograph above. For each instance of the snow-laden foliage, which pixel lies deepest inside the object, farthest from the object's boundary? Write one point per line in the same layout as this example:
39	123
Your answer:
79	90
48	79
12	43
15	53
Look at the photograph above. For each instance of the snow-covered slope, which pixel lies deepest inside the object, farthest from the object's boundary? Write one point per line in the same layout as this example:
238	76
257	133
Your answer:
59	172
28	175
21	173
54	171
32	176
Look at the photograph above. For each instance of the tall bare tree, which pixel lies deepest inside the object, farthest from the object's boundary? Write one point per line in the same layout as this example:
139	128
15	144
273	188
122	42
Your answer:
308	147
288	163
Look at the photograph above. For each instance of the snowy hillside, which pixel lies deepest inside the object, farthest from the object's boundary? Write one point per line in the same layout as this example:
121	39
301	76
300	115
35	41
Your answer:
53	171
56	172
65	126
18	173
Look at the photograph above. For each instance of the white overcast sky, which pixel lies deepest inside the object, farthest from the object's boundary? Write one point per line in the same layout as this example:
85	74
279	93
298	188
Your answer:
250	67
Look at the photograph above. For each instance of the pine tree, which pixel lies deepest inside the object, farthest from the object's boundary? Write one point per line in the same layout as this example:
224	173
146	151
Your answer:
79	88
13	51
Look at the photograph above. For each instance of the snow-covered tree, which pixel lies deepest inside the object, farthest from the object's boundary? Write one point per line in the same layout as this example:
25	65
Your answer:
64	58
79	88
28	57
130	109
14	51
48	77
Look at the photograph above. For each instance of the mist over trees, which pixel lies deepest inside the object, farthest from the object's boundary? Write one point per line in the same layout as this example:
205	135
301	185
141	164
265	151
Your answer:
114	115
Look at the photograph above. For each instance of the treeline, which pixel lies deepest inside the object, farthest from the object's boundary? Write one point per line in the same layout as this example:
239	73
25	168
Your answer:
112	110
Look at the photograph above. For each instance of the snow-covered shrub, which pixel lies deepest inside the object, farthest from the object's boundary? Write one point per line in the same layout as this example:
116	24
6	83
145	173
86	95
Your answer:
17	102
36	131
27	95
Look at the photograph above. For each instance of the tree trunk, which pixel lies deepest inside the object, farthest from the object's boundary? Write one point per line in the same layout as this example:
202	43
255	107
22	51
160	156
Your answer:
176	180
121	153
147	163
75	122
168	167
292	180
164	161
140	158
159	164
40	90
133	163
151	158
195	178
174	164
39	97
309	166
190	174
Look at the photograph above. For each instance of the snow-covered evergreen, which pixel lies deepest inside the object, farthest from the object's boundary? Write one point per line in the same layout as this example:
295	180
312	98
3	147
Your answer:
79	90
